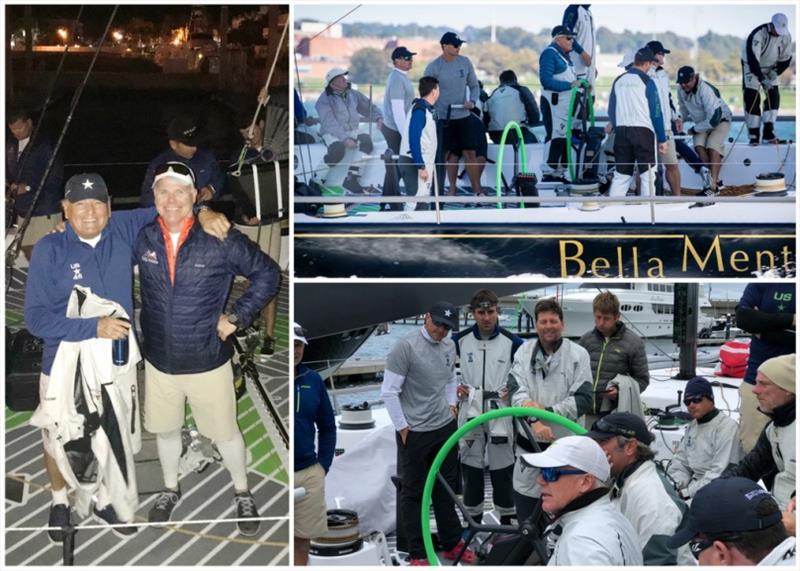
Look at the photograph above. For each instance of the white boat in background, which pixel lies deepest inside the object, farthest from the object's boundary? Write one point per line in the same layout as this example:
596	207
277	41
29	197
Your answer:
646	308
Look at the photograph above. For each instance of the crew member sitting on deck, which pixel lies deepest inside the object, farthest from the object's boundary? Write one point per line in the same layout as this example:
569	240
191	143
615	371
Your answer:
766	54
341	109
511	102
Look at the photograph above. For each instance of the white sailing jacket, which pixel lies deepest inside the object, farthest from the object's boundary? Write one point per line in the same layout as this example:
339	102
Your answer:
57	414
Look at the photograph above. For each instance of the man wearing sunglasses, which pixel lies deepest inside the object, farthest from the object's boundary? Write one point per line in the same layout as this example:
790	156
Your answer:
550	373
486	352
709	444
643	496
734	521
572	476
419	390
186	277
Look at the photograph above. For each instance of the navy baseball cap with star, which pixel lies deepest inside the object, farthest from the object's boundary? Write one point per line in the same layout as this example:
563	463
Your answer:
451	38
445	313
85	186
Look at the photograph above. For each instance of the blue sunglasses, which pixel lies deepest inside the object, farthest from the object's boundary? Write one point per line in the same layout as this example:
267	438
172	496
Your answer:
553	474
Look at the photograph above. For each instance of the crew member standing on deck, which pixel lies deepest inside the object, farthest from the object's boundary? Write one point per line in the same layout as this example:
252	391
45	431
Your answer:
634	110
486	352
557	75
766	54
419	143
579	20
419	390
670	158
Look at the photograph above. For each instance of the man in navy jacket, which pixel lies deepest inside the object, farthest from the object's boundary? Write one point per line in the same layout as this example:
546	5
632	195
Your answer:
186	276
313	422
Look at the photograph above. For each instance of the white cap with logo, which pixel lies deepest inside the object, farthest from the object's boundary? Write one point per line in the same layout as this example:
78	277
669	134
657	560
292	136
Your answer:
781	24
580	452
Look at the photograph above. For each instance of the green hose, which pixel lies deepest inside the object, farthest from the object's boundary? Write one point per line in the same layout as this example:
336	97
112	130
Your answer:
501	151
572	97
453	440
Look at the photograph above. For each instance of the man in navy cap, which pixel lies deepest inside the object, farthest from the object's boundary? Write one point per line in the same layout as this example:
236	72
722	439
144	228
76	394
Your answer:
634	110
184	137
709	444
396	105
578	18
766	54
642	495
734	521
419	390
462	129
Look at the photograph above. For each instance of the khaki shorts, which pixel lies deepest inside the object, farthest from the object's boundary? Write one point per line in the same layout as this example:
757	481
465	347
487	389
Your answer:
211	398
269	241
670	157
714	139
40	226
310	511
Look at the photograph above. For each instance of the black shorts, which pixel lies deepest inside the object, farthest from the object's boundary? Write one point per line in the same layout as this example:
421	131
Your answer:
634	145
466	134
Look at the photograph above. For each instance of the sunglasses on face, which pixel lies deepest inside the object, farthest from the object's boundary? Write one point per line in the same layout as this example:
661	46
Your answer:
603	426
553	474
697	546
692	400
440	324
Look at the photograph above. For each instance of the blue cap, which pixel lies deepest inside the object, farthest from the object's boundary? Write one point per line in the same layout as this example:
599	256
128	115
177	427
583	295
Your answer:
452	39
698	387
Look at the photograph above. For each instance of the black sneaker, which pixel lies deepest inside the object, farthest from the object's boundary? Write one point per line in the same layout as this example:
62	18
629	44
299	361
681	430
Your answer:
554	178
163	506
59	517
268	348
706	192
246	508
109	515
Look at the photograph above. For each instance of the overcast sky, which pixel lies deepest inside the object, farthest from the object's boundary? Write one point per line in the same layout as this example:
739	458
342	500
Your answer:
679	16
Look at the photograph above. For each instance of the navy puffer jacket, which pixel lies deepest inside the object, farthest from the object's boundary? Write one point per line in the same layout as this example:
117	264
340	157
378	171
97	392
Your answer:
179	323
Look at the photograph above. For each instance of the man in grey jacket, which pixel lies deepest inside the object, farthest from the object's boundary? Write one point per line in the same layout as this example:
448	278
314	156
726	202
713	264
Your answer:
341	109
709	444
614	350
550	373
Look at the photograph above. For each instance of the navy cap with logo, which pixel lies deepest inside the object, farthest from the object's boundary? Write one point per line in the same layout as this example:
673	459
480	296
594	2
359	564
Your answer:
657	47
698	387
727	505
402	52
451	38
685	74
644	55
184	129
562	31
445	313
85	186
624	424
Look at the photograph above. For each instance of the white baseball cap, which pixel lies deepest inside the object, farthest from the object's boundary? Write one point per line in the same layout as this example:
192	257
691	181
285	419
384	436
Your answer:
300	334
334	73
580	452
781	24
627	59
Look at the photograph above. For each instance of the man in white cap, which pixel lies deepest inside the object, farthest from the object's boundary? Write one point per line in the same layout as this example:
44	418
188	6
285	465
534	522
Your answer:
341	109
776	384
314	445
573	474
766	54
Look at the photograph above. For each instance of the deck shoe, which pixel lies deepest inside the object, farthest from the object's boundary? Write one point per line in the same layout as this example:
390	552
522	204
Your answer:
268	348
59	517
706	192
468	558
246	508
163	506
418	563
109	515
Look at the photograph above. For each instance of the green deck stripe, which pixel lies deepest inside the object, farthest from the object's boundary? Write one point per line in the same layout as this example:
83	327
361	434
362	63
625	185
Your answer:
282	477
268	466
16	419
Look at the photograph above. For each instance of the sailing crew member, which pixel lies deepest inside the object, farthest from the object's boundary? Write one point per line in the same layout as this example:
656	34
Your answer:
766	54
734	521
485	353
579	20
185	278
551	373
776	385
184	137
634	110
419	390
314	446
614	350
642	494
341	109
669	158
557	75
511	102
396	105
701	103
462	130
768	313
586	529
95	252
26	162
419	143
709	444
